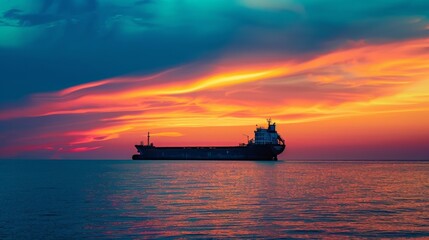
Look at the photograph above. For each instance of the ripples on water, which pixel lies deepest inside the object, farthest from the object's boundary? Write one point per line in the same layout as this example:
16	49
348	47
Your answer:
179	199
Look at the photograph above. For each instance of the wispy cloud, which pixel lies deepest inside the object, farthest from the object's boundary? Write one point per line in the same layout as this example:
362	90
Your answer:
354	80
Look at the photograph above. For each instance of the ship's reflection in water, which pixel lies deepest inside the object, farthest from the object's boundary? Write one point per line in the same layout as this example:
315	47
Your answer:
222	199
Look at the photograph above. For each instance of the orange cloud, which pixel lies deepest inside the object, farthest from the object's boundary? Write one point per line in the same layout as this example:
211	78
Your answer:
358	80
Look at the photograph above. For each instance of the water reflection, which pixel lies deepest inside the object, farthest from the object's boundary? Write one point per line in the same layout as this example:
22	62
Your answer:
275	199
238	199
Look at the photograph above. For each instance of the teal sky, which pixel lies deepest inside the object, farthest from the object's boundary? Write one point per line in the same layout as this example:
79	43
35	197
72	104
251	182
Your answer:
47	46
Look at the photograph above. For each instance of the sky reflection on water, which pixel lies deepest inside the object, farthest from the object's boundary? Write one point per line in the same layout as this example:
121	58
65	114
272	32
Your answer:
125	199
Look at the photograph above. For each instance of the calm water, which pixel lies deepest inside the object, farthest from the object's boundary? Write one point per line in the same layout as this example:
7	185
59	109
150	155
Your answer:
126	199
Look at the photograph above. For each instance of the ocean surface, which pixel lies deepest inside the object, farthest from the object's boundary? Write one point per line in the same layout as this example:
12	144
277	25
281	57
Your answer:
195	199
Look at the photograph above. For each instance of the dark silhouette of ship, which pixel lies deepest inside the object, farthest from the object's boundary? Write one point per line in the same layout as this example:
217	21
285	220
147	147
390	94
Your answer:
266	146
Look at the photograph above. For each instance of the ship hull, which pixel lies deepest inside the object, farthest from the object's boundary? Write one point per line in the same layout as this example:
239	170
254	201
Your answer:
248	152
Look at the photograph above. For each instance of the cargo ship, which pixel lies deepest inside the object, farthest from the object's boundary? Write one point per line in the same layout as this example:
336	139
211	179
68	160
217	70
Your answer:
266	145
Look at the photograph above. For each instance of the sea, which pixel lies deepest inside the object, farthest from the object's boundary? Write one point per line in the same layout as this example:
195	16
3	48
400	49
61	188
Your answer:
124	199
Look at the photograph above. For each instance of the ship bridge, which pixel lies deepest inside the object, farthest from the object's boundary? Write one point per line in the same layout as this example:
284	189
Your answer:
268	135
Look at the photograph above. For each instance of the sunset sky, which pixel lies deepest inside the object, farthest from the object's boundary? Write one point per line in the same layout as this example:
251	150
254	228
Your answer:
87	79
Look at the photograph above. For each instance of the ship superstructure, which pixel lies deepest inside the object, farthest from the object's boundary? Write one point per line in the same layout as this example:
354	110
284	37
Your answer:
266	145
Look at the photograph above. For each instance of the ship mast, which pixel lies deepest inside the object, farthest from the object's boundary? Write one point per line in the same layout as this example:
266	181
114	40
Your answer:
148	137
